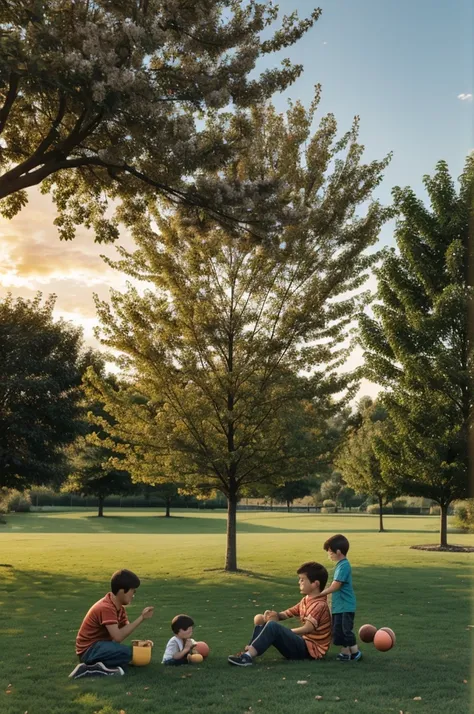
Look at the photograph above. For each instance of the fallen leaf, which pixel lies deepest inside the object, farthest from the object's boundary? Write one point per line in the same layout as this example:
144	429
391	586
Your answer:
146	689
302	681
122	711
464	681
417	699
338	699
318	697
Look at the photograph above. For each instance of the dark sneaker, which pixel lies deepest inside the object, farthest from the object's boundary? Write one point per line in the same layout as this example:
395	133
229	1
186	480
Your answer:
241	660
356	656
96	670
343	657
77	671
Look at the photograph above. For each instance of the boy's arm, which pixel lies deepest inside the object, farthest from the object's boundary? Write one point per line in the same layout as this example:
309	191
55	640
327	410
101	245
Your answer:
304	629
335	585
291	612
181	654
119	634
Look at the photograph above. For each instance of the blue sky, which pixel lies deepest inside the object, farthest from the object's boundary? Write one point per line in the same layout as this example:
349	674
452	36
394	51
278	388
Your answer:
398	64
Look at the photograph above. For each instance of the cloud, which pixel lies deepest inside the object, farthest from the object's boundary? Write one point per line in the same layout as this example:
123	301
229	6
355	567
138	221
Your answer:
465	97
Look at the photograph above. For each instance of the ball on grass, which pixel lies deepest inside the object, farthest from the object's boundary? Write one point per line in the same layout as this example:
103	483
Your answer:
195	658
201	648
258	620
384	639
367	633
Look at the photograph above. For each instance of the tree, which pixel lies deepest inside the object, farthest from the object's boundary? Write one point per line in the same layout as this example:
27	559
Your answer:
238	345
291	491
41	367
417	345
99	100
92	473
358	460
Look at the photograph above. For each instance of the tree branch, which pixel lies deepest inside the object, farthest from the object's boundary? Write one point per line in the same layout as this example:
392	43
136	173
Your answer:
9	100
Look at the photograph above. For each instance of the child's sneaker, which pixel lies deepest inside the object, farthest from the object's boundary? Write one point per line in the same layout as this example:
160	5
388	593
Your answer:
241	660
95	670
356	656
343	657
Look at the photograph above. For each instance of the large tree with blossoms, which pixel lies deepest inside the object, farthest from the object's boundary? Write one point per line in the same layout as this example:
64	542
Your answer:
100	99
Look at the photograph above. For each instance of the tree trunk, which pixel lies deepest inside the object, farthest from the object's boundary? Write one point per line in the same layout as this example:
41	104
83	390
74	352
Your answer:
101	507
231	551
381	528
443	526
168	504
288	504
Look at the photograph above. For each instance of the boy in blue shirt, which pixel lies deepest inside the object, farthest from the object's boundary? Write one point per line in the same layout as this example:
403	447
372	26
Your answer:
343	599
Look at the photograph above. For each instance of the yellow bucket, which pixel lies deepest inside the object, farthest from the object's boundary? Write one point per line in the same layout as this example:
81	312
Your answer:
141	652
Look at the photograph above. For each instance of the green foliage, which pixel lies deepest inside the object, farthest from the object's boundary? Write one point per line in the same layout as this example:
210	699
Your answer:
357	459
234	352
464	515
14	501
41	366
291	491
102	101
417	345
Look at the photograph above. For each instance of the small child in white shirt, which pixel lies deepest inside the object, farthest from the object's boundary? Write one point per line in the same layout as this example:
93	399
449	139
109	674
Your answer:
180	645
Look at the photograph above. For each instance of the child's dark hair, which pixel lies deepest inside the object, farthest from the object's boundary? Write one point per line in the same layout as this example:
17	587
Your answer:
181	622
337	542
124	580
314	571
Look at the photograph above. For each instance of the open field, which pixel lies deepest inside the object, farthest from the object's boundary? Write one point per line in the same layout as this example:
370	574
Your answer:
62	562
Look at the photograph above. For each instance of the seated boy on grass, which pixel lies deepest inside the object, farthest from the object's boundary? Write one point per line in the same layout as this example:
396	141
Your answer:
104	628
309	641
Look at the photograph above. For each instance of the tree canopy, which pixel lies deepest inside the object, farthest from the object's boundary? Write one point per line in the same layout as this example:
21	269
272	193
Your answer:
418	346
41	368
105	99
238	346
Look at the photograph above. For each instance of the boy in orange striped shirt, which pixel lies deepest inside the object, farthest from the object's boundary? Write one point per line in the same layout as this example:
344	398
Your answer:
309	641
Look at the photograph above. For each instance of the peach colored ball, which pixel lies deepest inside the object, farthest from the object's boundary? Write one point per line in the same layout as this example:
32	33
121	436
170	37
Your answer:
258	620
202	648
383	640
391	633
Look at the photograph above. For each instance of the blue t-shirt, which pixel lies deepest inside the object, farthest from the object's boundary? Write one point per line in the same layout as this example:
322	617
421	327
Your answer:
343	600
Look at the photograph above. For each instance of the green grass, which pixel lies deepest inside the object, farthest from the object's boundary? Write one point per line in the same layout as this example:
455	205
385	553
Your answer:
62	562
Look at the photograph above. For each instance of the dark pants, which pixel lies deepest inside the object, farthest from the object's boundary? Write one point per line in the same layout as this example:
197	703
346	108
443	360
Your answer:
286	642
175	662
112	654
342	629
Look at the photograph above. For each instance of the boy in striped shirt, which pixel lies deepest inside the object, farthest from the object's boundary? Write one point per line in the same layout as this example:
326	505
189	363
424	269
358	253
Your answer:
309	641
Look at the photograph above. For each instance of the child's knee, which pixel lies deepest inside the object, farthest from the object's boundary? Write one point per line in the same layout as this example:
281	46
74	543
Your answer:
273	626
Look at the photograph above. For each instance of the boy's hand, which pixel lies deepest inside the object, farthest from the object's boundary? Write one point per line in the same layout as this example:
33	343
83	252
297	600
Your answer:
188	646
147	612
270	615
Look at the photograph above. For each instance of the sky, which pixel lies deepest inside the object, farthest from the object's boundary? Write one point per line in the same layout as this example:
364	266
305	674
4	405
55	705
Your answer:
405	67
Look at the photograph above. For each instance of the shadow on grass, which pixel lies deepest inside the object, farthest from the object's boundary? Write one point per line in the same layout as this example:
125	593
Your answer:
203	524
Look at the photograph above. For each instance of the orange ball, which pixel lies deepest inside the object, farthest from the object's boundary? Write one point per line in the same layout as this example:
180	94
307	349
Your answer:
367	633
384	640
259	620
391	633
201	648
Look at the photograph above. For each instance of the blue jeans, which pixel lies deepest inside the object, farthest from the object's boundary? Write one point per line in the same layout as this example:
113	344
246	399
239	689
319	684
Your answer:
342	629
112	654
286	642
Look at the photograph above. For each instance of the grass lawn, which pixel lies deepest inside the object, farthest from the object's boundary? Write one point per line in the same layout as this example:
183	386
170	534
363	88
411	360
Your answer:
62	563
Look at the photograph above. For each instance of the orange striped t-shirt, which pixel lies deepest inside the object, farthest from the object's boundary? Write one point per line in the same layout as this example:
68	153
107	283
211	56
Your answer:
316	611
